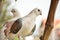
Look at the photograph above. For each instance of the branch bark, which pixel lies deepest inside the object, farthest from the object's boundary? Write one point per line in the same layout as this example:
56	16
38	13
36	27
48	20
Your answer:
50	20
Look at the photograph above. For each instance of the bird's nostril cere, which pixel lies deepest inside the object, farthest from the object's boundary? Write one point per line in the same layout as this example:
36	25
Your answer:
38	10
40	14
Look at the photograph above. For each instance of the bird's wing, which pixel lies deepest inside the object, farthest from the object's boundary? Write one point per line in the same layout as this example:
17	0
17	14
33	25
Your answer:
33	28
16	26
32	31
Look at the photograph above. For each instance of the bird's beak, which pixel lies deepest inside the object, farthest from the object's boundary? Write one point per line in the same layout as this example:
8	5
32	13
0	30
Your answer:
40	13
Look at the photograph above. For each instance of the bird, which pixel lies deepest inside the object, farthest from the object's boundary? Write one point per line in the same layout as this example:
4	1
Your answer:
16	14
38	31
5	7
24	25
8	24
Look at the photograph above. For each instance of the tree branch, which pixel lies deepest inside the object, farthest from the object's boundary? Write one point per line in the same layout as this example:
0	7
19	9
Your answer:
50	20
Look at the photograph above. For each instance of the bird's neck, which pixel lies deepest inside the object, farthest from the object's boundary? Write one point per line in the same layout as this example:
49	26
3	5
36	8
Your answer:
16	15
31	16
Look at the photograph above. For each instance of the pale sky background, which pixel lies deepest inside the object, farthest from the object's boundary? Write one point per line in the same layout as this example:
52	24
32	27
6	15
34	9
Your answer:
25	6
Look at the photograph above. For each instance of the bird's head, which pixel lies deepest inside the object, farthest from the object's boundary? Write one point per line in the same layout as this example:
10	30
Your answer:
15	12
37	11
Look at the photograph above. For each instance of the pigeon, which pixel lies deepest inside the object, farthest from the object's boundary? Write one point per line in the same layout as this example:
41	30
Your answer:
23	26
38	31
6	5
8	24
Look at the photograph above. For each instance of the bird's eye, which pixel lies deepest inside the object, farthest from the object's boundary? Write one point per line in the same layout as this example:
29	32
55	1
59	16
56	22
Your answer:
38	10
13	11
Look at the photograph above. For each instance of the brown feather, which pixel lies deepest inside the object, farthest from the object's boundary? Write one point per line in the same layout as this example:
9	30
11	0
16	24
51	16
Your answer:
16	26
